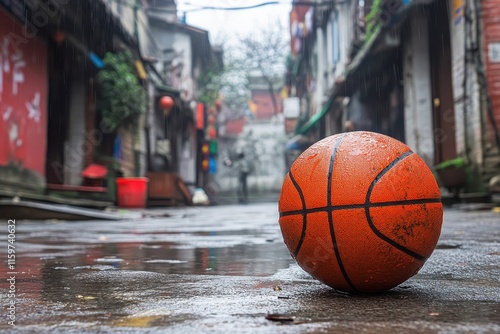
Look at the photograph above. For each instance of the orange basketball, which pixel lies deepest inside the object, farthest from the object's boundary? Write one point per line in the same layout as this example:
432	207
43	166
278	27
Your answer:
360	212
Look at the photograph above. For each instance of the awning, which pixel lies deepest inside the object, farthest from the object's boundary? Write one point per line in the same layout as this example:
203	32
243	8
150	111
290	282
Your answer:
165	89
358	64
315	118
361	63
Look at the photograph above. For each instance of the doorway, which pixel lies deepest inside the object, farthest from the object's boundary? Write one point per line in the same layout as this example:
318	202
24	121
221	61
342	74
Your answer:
441	77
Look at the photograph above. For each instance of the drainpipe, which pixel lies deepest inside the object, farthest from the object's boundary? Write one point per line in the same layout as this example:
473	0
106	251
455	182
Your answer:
136	26
136	134
465	84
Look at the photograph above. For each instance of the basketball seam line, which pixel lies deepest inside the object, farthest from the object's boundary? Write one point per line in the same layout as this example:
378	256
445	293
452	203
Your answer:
330	216
304	215
368	216
360	206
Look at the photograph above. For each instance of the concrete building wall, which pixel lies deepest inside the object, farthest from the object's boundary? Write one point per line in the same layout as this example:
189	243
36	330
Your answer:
417	89
269	169
340	33
127	163
187	155
322	67
263	142
332	33
178	66
140	147
467	108
182	67
135	22
469	127
338	44
74	145
457	46
181	78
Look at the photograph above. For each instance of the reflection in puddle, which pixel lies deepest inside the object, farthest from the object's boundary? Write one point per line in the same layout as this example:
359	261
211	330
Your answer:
240	260
55	271
239	250
95	270
231	267
164	261
108	260
96	267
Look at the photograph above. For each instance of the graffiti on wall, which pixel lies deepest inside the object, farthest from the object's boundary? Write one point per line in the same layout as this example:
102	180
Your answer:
23	98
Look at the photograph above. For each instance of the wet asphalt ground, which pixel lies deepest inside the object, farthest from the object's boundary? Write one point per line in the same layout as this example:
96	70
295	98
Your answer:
225	269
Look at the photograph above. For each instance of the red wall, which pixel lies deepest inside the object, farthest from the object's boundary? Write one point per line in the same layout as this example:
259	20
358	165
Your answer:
491	15
23	97
264	104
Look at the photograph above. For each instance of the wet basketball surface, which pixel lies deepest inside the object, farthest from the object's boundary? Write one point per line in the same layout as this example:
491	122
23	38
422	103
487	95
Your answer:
225	269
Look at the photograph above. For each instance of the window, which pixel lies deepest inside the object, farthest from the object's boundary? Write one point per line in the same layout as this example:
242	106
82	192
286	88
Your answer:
119	7
335	37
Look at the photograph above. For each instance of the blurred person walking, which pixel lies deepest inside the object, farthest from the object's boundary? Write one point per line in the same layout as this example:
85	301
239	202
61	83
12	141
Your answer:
243	166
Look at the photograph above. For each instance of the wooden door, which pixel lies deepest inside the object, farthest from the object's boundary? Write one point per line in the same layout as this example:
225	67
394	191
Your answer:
442	91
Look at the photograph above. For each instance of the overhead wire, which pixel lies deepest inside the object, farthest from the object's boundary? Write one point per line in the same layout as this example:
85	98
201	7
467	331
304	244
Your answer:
226	8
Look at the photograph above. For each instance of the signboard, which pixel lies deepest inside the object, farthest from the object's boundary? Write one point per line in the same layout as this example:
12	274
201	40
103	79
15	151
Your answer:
200	116
494	52
23	98
458	11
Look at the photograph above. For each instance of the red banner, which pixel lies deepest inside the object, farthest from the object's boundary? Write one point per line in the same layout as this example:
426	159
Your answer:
200	116
23	97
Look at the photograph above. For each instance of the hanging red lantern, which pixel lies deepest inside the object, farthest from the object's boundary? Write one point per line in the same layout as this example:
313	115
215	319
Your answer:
212	132
166	103
218	105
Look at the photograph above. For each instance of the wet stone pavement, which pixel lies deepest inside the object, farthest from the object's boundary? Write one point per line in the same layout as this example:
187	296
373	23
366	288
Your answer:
224	269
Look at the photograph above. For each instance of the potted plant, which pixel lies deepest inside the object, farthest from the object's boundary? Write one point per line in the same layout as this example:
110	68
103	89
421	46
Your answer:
122	98
122	101
451	173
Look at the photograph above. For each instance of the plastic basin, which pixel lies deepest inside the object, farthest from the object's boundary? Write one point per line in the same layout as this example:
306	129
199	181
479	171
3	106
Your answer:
132	192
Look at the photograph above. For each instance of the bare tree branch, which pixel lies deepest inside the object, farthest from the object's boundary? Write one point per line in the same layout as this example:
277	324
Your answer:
264	54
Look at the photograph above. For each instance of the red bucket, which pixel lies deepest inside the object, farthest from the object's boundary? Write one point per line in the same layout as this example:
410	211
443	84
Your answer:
132	191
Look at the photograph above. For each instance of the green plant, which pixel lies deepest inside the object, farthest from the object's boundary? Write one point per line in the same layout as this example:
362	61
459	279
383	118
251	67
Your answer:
458	163
122	99
210	84
372	20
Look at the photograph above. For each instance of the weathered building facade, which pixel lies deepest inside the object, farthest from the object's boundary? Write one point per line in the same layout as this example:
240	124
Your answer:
421	71
53	127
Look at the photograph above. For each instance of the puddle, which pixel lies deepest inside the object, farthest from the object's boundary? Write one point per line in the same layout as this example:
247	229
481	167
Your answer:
196	274
164	261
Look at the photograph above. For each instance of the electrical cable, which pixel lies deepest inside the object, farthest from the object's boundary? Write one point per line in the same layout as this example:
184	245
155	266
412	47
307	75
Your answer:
233	8
202	8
